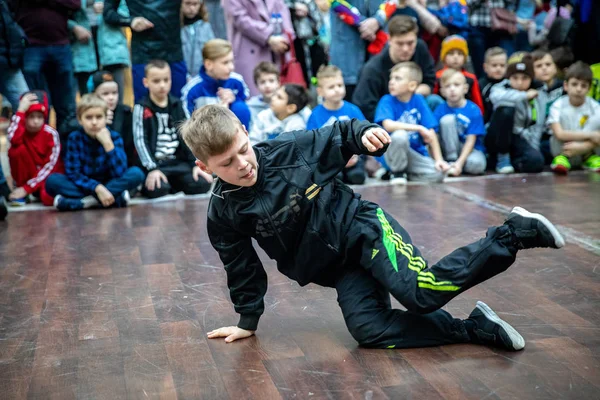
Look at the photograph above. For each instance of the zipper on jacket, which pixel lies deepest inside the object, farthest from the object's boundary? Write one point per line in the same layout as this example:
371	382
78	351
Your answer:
259	197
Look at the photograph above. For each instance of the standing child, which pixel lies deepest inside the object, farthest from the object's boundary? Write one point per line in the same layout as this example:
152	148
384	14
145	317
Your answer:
196	31
332	89
283	114
575	123
166	161
95	164
34	151
217	83
454	55
494	67
283	194
460	126
411	124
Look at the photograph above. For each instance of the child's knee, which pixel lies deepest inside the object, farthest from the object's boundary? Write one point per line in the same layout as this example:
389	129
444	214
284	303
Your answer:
448	121
476	164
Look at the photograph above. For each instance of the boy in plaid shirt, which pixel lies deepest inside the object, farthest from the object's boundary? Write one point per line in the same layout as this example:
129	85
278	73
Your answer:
95	164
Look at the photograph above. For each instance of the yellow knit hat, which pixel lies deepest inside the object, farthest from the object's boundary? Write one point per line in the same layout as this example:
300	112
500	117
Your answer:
454	42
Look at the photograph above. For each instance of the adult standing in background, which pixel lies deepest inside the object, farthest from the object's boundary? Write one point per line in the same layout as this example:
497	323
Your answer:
155	34
12	49
216	17
253	35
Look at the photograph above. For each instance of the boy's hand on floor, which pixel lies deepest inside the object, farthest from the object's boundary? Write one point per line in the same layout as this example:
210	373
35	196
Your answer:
26	102
154	180
442	165
375	139
455	169
17	194
230	333
105	197
197	173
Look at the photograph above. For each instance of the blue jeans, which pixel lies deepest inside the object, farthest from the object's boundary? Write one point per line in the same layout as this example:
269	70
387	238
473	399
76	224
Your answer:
481	39
52	67
59	184
2	178
12	86
178	79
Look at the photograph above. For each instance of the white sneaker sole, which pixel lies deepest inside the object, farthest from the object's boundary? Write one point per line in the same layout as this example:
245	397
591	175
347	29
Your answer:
517	341
558	238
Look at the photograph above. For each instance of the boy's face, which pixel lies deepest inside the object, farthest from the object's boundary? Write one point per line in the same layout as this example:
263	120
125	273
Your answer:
34	121
190	8
495	67
455	88
279	104
455	59
577	90
267	84
520	81
545	69
332	89
237	165
109	92
220	68
402	47
399	84
93	121
158	82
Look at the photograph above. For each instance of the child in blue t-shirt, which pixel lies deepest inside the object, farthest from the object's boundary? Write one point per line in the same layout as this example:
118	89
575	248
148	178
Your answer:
461	126
411	124
332	89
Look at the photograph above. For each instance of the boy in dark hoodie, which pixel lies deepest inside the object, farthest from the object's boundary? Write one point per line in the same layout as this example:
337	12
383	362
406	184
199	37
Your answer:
166	160
494	67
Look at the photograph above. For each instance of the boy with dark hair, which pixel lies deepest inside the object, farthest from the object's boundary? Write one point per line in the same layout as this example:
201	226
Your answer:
166	161
266	79
318	230
494	67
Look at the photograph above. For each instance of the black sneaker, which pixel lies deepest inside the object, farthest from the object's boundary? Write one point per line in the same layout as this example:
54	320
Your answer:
123	199
490	330
65	204
533	230
3	208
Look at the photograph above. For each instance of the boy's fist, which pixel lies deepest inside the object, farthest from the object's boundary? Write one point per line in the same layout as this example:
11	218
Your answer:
375	139
532	94
27	101
230	333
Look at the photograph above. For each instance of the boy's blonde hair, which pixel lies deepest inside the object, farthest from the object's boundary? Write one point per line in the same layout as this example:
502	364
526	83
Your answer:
89	101
493	52
449	74
216	48
210	131
328	71
414	71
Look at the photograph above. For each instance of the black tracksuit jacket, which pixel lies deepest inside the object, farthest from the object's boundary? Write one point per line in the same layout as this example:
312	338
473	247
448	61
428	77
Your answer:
297	211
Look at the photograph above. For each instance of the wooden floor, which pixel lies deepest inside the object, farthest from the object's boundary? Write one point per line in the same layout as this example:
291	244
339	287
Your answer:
116	305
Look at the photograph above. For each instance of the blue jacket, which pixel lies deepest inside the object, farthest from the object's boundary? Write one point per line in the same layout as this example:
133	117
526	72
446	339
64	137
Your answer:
202	90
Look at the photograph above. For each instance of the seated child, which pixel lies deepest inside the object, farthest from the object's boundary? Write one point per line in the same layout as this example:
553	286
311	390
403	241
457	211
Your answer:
119	117
283	194
575	123
332	89
166	161
460	126
454	55
95	164
411	124
546	73
283	114
217	83
494	67
34	151
518	121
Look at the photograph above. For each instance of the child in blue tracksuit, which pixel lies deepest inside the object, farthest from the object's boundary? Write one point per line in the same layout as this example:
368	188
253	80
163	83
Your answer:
217	83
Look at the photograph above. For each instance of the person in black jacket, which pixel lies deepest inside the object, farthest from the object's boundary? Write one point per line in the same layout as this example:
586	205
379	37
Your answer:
283	193
403	46
155	34
12	49
168	162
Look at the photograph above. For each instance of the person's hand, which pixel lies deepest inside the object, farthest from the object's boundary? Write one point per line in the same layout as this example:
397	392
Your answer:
571	149
98	7
26	102
17	194
442	31
278	44
442	165
103	136
428	135
368	28
375	139
301	9
110	115
531	94
226	96
81	34
197	173
154	180
105	197
352	161
230	333
455	169
140	24
594	137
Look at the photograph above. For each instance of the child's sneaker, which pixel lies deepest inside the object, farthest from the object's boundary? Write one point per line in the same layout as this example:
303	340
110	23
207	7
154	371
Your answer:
560	165
503	165
592	163
18	202
491	330
3	208
123	199
62	203
533	230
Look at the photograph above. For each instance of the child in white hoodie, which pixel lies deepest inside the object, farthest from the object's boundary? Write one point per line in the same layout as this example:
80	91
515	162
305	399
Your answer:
283	115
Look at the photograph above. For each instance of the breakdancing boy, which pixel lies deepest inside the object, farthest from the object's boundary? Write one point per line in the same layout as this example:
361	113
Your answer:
284	194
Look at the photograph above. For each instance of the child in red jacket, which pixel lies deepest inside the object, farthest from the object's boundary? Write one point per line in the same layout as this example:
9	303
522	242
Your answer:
34	151
454	55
